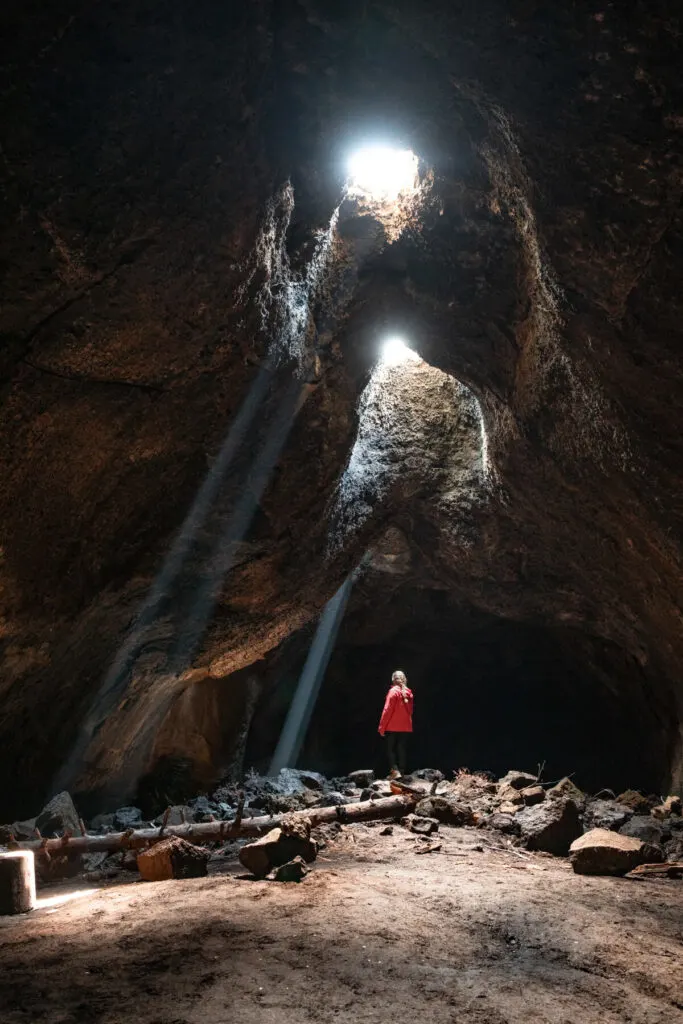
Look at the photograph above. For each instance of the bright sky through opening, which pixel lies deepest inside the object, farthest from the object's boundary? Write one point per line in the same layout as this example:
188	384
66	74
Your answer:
395	351
382	173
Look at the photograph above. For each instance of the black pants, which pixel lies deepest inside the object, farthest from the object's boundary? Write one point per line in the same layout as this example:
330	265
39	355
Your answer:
397	749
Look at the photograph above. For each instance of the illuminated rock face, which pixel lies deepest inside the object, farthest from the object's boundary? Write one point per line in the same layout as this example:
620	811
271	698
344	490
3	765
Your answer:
150	255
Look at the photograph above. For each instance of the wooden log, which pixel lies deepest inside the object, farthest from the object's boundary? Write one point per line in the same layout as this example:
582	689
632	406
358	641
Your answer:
671	869
17	882
220	831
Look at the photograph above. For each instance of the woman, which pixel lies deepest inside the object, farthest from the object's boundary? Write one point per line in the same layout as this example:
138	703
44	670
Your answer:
397	722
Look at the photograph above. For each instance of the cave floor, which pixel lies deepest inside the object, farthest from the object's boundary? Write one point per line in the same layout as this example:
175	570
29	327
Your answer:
374	933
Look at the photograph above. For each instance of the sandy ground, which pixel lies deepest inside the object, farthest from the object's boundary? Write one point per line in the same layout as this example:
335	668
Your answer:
374	933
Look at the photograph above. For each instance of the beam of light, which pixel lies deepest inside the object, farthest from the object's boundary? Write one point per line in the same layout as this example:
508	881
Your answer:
395	351
301	708
116	678
207	592
45	902
382	173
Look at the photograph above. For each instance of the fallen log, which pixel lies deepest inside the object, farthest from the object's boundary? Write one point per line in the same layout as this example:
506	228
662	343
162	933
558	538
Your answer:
670	869
218	831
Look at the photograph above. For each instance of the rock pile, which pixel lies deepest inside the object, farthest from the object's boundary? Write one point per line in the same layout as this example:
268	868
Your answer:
603	834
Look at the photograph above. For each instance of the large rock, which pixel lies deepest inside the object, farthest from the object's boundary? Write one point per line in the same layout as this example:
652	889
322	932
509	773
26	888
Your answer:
550	826
293	871
277	847
565	789
673	850
172	858
609	814
506	823
445	810
518	780
362	778
533	795
127	817
603	852
24	829
646	829
58	816
672	805
638	803
507	794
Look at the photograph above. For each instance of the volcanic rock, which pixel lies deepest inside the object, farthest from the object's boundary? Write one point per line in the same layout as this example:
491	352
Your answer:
603	852
362	778
605	814
647	829
420	825
172	858
518	780
127	817
550	826
566	789
277	847
507	794
636	801
293	871
533	795
58	816
445	810
506	823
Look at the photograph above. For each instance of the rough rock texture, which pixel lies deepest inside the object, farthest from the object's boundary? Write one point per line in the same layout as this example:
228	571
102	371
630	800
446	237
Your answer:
646	829
58	816
172	858
551	826
277	847
152	250
605	814
603	852
445	810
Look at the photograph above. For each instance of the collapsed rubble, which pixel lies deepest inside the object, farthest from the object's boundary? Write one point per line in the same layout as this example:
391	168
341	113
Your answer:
602	834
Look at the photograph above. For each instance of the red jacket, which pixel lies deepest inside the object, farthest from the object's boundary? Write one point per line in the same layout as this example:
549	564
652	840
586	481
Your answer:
398	711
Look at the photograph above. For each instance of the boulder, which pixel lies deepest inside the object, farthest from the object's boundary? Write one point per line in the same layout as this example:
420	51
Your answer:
420	825
603	852
673	850
102	823
609	814
506	823
551	826
381	788
127	817
565	789
172	858
58	816
445	810
293	871
638	803
24	829
647	829
672	805
533	795
507	794
291	781
518	780
280	845
332	799
362	778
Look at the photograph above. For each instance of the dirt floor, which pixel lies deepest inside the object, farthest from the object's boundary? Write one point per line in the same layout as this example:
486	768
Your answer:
470	934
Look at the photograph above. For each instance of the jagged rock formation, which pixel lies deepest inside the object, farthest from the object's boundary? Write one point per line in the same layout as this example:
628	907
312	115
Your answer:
151	253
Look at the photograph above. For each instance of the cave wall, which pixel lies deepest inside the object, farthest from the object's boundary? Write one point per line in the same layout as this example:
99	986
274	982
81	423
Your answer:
147	244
